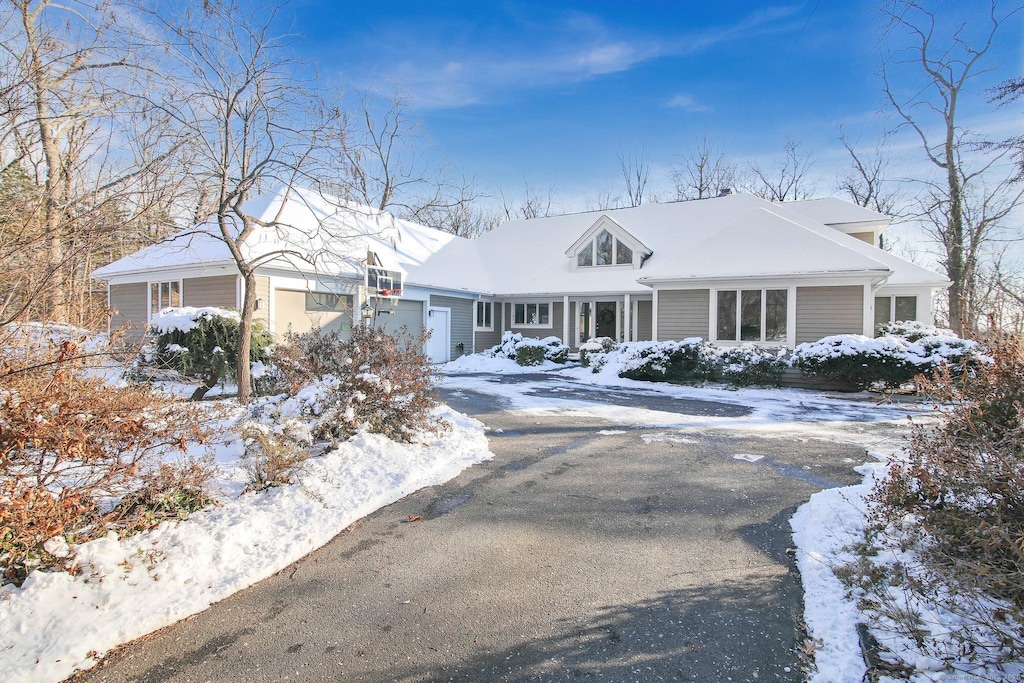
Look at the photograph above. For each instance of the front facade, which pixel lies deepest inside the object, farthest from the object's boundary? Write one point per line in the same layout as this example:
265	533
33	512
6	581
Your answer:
734	269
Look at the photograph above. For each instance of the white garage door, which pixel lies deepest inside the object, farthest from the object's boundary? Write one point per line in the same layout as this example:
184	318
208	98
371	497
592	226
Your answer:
407	314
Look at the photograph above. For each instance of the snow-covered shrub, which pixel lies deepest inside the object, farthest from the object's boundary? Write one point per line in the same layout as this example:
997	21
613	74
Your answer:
270	459
382	382
886	361
952	513
69	444
596	345
750	365
912	330
203	343
529	350
686	361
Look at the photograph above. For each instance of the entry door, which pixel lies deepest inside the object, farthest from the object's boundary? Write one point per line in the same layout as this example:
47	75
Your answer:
439	344
605	319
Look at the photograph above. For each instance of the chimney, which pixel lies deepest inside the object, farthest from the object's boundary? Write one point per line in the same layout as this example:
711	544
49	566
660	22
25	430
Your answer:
725	192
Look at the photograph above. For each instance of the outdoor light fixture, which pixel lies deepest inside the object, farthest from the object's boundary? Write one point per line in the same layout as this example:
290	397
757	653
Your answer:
366	310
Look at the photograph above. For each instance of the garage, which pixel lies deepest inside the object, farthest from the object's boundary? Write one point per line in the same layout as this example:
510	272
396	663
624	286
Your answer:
391	317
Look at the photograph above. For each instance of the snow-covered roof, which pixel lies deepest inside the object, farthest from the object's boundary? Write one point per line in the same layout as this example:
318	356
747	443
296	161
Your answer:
734	236
835	211
300	229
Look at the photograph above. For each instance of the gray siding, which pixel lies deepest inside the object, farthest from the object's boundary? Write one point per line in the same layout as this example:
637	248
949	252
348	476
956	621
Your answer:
643	320
539	332
220	291
485	339
461	322
130	304
683	313
824	311
263	292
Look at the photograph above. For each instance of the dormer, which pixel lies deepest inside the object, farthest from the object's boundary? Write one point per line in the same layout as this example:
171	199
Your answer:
607	245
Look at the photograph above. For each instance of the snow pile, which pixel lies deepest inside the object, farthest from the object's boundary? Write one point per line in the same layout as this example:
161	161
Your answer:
824	531
691	358
514	344
912	330
482	363
186	318
130	587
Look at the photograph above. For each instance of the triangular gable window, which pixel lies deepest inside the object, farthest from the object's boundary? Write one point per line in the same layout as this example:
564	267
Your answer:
606	245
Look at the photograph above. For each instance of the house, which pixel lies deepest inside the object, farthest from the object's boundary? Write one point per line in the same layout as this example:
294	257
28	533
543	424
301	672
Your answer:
730	269
312	252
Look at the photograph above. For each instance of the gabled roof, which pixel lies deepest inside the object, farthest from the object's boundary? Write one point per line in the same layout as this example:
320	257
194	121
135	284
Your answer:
734	236
835	211
304	230
609	224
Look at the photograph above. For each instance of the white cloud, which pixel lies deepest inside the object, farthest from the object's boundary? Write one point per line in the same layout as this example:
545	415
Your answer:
569	49
687	103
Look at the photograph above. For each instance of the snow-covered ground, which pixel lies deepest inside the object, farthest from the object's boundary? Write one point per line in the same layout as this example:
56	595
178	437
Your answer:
58	622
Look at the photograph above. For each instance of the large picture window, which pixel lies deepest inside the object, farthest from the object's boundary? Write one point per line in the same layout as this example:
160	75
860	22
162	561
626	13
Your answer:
604	250
888	309
754	315
164	295
484	315
531	315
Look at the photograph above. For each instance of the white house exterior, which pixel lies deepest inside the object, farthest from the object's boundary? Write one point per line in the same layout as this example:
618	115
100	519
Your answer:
732	269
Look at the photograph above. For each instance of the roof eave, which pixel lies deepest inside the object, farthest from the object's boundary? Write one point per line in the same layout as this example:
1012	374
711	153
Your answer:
808	275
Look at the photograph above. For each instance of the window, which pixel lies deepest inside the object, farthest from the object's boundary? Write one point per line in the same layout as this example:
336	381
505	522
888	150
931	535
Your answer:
484	315
325	302
604	250
758	315
727	315
164	295
888	309
906	308
531	315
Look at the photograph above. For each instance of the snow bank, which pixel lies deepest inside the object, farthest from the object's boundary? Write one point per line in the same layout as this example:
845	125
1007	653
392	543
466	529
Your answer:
478	362
822	528
128	588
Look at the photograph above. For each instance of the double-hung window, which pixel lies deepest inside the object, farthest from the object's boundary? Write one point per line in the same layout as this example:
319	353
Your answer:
484	315
531	315
164	295
754	315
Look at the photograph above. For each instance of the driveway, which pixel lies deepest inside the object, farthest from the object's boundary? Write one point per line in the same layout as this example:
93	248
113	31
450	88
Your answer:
588	549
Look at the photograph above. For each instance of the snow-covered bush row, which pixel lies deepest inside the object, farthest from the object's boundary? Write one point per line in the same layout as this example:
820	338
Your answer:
889	361
689	360
202	343
750	365
596	345
528	350
912	330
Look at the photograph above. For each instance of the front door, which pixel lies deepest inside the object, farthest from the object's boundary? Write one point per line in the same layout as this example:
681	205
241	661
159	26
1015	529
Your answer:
605	317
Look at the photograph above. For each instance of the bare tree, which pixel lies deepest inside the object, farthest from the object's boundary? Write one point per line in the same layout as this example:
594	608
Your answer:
455	208
72	119
636	171
1007	92
252	125
533	204
867	181
786	179
703	171
944	68
602	201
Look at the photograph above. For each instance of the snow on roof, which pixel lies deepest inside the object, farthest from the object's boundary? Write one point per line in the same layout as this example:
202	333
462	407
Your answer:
735	236
300	229
835	211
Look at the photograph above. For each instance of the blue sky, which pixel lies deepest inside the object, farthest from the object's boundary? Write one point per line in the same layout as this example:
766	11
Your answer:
548	93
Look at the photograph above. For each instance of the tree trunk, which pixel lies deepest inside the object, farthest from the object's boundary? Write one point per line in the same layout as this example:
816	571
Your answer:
245	336
955	230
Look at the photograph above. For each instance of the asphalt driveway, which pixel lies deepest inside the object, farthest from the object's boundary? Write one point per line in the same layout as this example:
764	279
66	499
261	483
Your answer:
584	551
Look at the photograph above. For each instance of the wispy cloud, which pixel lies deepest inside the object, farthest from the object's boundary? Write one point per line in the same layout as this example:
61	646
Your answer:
687	103
571	48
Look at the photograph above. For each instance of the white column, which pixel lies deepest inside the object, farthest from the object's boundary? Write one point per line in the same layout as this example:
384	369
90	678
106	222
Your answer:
626	319
791	318
869	311
654	314
565	321
713	314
